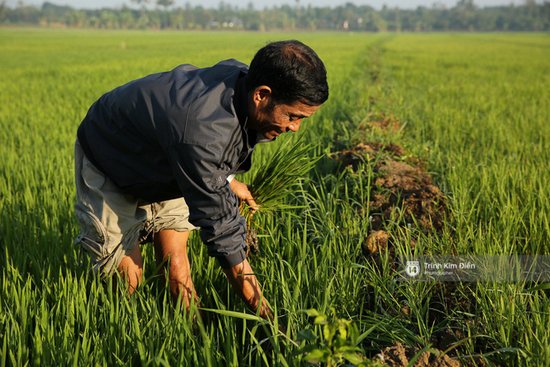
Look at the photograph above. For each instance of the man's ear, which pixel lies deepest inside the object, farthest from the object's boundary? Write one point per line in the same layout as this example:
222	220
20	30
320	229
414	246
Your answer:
261	95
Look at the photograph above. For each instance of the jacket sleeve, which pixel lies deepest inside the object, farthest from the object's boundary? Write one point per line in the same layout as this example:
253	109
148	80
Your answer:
212	205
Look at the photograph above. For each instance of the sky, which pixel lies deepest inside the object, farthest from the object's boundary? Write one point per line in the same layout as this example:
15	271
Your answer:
260	4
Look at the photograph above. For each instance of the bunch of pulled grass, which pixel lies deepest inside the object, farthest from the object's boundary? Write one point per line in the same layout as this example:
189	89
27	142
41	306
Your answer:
277	178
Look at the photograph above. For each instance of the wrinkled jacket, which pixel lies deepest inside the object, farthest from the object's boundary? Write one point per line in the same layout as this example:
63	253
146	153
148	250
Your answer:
178	133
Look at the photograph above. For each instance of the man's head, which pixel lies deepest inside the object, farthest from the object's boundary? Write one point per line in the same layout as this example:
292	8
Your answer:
286	82
292	70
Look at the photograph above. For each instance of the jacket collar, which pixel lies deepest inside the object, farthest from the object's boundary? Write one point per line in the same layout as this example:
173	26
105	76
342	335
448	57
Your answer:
240	100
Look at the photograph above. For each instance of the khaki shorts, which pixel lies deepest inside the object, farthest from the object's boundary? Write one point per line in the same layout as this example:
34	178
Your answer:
111	222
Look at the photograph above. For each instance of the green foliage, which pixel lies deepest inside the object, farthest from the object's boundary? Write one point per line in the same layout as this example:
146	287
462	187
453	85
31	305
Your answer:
464	16
338	344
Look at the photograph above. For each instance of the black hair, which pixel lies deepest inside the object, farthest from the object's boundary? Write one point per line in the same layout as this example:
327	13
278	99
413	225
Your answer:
292	70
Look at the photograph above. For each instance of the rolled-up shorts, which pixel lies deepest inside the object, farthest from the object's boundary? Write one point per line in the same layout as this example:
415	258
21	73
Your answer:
112	223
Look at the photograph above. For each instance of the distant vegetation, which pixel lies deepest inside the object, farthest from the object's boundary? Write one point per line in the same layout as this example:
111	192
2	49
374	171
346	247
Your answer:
162	14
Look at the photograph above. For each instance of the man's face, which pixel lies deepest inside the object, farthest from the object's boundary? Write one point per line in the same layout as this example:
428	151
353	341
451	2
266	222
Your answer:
270	119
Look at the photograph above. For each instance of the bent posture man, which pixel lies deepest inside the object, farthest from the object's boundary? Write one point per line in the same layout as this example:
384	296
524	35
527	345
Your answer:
156	157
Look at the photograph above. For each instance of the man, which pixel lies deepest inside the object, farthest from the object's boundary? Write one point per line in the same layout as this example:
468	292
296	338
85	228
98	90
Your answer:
157	156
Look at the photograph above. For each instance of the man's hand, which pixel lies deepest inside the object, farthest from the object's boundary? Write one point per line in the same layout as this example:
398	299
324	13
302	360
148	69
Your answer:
243	193
244	282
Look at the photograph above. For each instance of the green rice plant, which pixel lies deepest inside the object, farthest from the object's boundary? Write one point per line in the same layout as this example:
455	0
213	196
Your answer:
282	172
276	179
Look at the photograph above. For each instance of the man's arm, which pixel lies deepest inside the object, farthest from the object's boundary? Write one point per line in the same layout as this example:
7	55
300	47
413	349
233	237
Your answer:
215	209
212	205
245	283
241	276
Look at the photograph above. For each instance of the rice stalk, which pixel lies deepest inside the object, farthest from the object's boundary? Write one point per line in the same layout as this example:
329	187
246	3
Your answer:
282	173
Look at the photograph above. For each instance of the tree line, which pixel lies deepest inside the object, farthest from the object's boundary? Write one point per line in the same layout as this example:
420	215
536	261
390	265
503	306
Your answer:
162	14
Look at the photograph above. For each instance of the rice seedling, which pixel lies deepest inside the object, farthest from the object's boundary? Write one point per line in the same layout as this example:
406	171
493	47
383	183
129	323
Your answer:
277	178
281	174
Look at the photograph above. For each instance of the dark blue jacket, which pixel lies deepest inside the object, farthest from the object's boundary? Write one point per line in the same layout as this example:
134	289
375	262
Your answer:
179	133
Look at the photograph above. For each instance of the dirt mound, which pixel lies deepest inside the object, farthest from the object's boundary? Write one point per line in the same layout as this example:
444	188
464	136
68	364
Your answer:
380	121
398	356
367	151
401	185
403	191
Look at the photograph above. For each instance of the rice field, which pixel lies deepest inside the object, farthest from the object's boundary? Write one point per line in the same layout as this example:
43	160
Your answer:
473	109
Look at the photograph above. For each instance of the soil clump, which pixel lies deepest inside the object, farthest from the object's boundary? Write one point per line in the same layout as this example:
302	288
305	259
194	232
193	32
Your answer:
380	121
403	191
398	356
251	240
401	185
